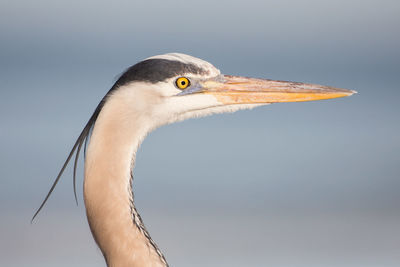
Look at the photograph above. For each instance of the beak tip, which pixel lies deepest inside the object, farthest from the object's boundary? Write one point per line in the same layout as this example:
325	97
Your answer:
346	92
351	92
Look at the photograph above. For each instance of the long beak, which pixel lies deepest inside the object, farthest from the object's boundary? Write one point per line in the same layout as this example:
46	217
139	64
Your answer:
243	90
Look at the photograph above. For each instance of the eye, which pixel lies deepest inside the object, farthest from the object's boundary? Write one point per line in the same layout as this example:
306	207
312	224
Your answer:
182	83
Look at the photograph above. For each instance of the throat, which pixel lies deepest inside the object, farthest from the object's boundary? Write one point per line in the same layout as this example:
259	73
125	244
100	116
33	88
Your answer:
113	219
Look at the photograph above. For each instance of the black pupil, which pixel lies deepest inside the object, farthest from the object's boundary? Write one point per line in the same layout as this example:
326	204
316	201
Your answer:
183	82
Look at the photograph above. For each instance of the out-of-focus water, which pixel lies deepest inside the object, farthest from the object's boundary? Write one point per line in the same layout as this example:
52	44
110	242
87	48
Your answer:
297	184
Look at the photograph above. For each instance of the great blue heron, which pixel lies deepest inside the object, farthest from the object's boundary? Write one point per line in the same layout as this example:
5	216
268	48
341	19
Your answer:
157	91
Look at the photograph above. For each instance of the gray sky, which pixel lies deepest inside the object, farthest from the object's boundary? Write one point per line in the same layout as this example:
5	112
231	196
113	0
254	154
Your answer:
308	182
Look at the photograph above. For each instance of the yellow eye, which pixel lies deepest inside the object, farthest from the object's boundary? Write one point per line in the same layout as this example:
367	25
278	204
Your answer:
182	83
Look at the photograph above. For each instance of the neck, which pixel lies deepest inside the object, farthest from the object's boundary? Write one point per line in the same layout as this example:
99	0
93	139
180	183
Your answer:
113	219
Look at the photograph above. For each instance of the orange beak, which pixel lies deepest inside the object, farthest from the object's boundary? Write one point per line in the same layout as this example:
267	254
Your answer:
242	90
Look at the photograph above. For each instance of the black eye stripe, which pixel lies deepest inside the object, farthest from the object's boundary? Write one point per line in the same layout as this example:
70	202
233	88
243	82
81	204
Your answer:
157	70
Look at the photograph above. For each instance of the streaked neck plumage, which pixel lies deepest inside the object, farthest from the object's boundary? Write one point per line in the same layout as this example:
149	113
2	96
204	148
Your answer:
113	219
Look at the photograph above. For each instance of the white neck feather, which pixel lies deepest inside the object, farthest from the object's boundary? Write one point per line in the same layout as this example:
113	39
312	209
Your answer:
113	219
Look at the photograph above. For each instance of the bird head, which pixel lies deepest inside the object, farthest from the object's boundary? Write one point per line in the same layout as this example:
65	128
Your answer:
175	86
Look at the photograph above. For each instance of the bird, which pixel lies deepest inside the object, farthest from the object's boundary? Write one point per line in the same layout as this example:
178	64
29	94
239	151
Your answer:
158	90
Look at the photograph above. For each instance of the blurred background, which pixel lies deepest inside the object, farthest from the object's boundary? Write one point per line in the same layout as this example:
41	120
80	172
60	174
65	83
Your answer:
296	184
